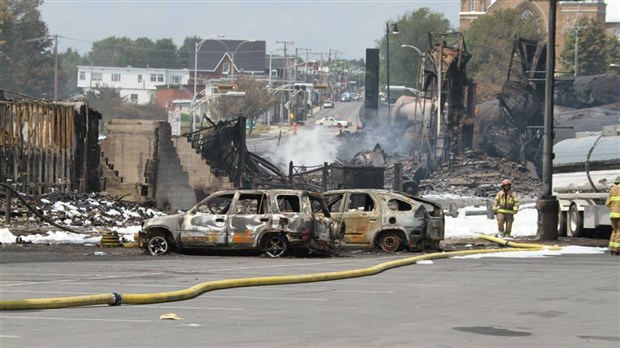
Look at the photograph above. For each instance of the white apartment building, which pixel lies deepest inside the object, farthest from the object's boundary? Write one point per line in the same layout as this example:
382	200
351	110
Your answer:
137	85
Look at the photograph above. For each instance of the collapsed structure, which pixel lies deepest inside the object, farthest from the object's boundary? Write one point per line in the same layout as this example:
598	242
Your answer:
49	146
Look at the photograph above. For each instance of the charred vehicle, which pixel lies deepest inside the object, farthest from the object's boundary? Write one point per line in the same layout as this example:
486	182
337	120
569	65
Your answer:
386	220
275	221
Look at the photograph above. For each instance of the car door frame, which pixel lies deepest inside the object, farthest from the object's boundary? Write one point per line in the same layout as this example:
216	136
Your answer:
254	225
205	230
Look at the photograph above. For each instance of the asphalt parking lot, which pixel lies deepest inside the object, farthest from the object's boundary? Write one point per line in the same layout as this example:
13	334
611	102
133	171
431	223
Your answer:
560	301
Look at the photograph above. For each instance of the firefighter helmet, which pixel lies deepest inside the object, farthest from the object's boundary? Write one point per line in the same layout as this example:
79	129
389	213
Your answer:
617	180
506	182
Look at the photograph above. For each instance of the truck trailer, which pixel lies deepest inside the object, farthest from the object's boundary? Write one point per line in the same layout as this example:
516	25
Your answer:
584	169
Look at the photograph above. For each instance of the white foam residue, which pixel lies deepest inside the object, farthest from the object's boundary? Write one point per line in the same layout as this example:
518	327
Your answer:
61	237
568	250
6	237
424	262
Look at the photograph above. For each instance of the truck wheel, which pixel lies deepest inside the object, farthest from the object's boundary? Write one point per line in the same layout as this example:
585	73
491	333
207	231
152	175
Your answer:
562	224
575	222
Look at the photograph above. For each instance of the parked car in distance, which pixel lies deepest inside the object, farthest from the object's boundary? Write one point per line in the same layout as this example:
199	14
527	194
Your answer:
332	121
328	104
275	221
386	220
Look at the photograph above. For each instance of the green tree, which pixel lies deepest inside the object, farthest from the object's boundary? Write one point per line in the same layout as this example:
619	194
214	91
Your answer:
595	50
257	101
141	54
489	39
111	51
186	50
26	57
67	73
166	55
138	53
413	28
109	102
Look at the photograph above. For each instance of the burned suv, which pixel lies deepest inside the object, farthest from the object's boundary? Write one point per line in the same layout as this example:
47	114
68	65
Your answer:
386	220
275	221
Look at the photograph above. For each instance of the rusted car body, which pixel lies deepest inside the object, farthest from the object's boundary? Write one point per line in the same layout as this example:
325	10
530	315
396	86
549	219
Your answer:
275	221
386	220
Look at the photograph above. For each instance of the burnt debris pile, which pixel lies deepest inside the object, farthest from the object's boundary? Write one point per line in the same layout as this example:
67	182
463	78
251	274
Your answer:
74	212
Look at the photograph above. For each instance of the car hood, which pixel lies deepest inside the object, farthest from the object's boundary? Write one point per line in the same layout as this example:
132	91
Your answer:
171	221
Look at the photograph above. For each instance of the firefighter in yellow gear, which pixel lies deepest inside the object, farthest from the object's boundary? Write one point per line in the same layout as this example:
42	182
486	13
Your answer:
613	203
505	206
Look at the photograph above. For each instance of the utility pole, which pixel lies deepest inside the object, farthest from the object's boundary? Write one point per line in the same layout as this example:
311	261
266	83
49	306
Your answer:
306	61
548	206
576	70
285	43
55	67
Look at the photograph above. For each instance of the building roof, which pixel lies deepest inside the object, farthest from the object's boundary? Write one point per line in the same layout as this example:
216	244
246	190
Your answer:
249	57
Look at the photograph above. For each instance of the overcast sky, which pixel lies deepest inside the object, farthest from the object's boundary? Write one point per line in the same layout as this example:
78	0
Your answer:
320	25
349	26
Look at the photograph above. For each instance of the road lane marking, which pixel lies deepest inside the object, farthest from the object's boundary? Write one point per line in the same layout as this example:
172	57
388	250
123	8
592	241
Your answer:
268	298
75	280
74	319
201	308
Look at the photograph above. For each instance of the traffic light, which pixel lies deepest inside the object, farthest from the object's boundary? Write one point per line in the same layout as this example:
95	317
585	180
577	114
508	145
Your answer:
225	88
300	87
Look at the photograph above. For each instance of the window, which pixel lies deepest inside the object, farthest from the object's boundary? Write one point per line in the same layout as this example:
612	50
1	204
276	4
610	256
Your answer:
216	205
334	203
133	98
288	204
116	77
226	68
140	78
153	77
361	202
96	76
160	77
176	79
82	75
249	204
397	204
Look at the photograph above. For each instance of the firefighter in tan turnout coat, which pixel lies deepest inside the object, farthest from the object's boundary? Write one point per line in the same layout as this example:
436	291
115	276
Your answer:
613	203
506	205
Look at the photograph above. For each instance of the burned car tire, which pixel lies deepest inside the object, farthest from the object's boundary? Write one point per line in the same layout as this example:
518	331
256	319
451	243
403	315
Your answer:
157	244
389	242
275	246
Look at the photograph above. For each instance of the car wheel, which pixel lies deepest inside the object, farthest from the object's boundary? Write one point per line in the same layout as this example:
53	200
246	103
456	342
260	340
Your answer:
275	246
157	244
389	242
575	222
339	125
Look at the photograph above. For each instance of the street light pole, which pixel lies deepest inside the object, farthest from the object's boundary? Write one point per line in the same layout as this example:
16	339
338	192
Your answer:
422	59
232	58
389	27
197	47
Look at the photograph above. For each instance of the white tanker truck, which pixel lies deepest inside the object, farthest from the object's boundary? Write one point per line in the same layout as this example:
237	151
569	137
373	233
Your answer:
584	169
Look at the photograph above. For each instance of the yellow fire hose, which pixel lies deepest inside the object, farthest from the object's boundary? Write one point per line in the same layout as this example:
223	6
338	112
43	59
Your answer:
116	299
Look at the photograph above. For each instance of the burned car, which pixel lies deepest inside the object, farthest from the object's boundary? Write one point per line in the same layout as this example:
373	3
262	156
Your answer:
386	220
275	221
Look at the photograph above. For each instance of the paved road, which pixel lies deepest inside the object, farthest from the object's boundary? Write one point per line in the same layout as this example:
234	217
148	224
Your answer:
563	301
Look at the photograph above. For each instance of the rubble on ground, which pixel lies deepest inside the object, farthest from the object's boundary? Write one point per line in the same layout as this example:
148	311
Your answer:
472	174
82	212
